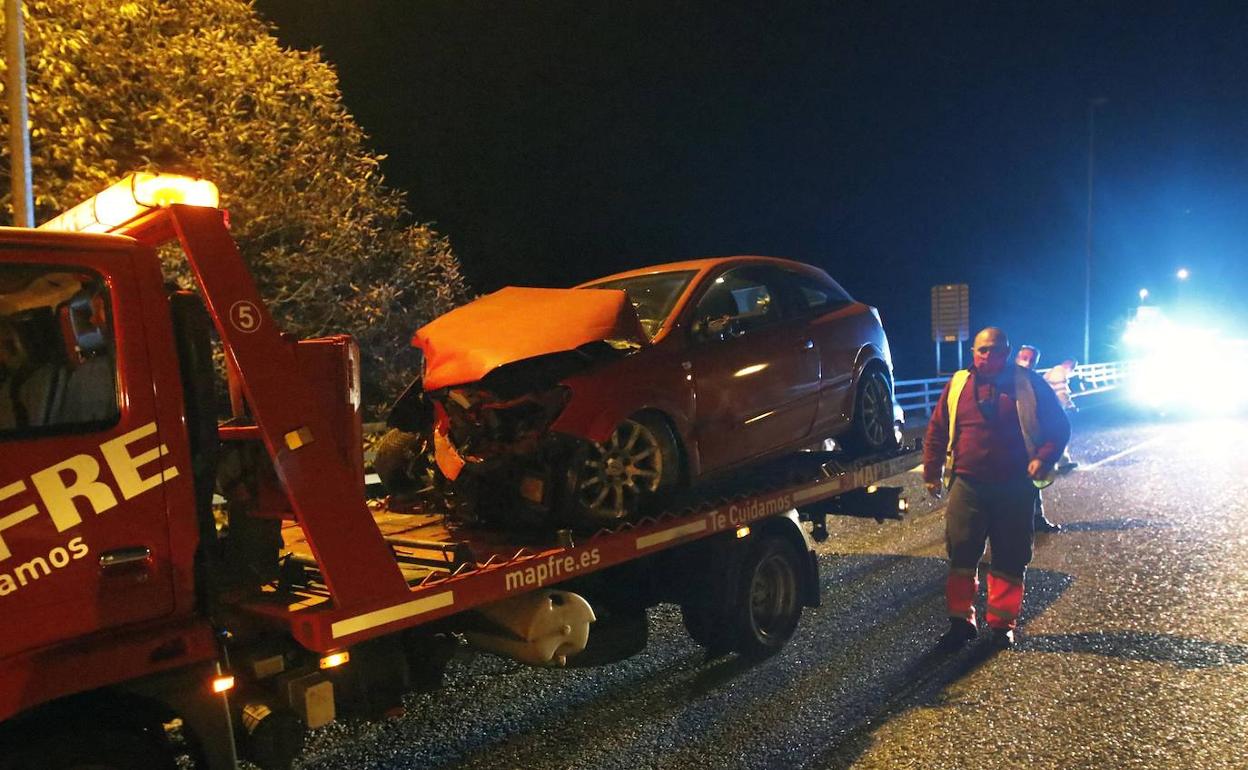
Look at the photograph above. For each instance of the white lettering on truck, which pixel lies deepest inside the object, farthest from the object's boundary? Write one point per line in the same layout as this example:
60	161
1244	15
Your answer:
58	558
553	568
59	486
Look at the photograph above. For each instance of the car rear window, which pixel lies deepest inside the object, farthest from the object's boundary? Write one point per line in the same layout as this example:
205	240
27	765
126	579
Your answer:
814	294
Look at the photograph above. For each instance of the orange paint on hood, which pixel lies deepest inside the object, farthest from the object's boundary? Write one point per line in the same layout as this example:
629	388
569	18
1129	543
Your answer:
516	323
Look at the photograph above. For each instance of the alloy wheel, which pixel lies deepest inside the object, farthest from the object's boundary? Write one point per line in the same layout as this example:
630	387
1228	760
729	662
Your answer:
877	411
621	471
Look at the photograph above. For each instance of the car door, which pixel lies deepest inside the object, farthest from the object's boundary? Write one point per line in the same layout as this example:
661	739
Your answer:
755	372
830	318
84	535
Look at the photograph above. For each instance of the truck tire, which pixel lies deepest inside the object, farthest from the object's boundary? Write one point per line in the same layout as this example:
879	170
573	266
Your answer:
621	477
404	463
768	602
93	750
872	431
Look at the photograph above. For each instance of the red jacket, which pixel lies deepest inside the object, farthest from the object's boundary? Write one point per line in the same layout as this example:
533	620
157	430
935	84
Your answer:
990	445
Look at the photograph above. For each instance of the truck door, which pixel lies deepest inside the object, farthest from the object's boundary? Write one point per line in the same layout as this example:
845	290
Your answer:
84	537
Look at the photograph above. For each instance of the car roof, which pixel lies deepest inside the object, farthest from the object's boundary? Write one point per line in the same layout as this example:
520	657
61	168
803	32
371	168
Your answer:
707	263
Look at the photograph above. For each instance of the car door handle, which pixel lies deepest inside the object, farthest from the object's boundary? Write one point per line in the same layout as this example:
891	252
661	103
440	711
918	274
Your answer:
121	557
808	344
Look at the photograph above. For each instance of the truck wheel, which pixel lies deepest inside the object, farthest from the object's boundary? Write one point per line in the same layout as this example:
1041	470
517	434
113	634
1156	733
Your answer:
768	601
622	475
93	750
872	431
404	463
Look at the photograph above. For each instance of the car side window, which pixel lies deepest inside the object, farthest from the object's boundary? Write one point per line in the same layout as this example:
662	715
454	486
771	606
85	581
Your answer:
57	368
811	294
738	301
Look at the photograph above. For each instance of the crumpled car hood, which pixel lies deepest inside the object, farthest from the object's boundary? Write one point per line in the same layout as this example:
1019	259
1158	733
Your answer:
516	323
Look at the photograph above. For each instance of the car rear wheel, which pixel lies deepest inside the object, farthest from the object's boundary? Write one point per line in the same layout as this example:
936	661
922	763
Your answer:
623	476
873	428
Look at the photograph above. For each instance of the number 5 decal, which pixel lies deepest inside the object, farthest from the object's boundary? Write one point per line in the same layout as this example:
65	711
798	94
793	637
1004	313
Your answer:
245	316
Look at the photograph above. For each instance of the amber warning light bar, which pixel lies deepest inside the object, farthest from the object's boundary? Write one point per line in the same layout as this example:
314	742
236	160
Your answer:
130	199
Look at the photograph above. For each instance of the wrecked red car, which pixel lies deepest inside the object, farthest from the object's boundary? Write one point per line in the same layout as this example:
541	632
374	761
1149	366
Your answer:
577	406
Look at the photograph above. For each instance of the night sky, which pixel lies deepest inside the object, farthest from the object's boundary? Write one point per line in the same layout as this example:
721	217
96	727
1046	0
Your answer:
895	145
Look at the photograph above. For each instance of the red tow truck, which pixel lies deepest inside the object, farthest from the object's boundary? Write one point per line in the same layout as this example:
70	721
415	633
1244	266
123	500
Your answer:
175	586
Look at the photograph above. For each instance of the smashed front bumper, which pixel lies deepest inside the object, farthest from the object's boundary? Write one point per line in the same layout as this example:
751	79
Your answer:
502	463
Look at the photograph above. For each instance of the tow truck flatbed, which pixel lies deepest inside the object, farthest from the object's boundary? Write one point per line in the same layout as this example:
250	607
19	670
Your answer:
450	569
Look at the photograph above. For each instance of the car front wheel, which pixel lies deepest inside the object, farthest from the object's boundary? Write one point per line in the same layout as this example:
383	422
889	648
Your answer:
626	474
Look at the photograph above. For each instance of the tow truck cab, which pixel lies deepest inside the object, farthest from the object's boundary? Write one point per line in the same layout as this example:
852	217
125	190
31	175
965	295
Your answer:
110	550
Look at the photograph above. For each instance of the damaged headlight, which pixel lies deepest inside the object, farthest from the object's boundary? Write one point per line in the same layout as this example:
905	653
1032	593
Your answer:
483	426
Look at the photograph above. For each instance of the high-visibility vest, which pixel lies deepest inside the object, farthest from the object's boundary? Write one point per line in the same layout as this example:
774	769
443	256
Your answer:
1024	404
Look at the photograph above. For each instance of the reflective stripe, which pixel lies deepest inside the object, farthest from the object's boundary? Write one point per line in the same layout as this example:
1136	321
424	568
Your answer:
960	592
1005	598
391	614
956	384
668	535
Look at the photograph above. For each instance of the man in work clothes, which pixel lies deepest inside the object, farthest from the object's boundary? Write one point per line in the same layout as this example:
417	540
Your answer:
994	436
1060	379
1028	357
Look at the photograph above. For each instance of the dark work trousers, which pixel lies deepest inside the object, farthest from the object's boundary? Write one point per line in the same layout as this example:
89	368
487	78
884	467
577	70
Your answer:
980	513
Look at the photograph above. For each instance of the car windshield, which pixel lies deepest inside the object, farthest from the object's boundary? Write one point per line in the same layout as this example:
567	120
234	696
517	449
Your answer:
653	295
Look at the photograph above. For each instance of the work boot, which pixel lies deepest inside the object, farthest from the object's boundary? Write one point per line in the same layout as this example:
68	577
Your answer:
1003	638
961	631
1041	524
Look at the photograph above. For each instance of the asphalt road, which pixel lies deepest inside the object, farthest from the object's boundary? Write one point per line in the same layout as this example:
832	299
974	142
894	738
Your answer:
1134	654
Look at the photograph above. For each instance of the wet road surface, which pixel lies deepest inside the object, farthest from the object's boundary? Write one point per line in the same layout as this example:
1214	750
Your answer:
1134	654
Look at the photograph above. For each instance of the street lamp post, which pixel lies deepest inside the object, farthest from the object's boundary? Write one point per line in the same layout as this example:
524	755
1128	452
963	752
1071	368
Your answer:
1087	262
19	137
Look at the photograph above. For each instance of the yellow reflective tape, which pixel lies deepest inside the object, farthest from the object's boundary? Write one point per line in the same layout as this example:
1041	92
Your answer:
298	438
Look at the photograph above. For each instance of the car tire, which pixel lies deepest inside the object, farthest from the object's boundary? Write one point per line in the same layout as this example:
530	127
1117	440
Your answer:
404	463
768	602
626	475
873	430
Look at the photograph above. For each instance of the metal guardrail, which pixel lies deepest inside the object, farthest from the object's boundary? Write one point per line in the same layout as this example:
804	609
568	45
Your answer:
922	395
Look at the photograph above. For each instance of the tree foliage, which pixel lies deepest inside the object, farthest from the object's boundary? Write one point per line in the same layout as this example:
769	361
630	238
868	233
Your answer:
203	87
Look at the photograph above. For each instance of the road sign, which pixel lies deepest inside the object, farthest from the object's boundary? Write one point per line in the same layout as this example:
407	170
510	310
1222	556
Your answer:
951	312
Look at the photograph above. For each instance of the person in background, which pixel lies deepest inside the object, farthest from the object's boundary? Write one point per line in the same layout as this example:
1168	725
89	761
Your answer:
1063	380
994	436
1028	357
27	386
